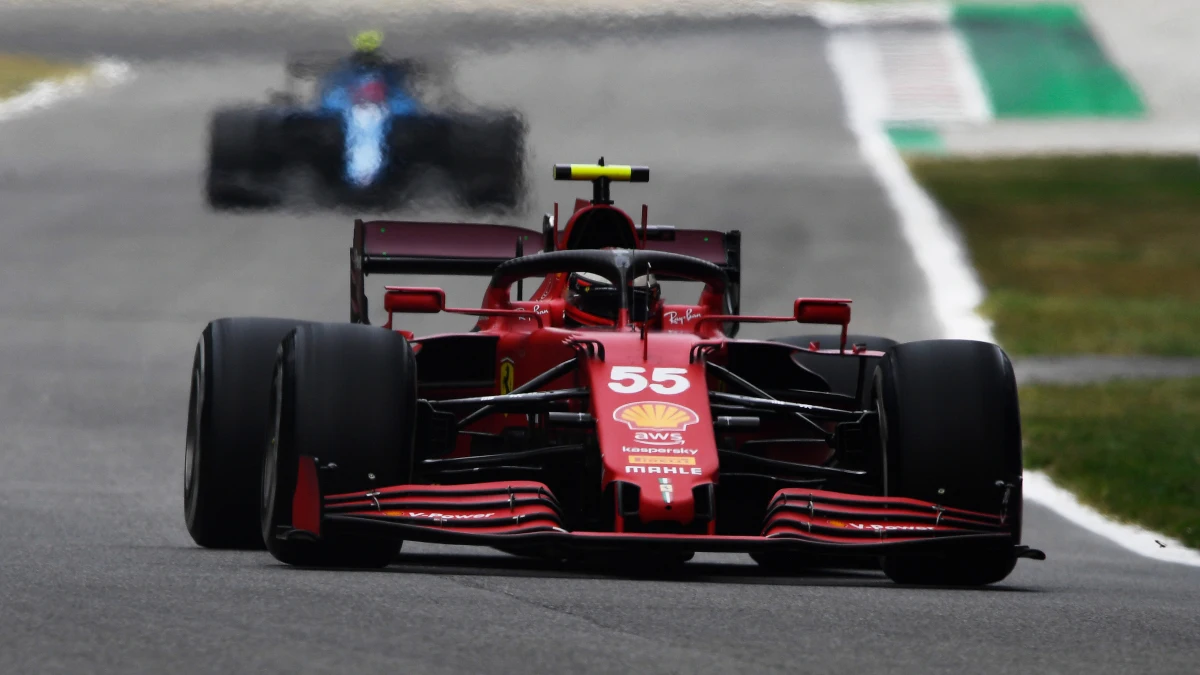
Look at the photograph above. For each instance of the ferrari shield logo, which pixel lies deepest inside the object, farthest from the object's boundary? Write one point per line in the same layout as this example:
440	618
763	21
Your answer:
506	376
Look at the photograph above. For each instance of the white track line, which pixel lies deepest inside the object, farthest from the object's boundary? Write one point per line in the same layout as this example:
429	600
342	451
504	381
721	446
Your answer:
954	288
49	92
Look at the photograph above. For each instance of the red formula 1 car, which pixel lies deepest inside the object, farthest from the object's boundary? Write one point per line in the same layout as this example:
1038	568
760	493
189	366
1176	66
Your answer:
599	417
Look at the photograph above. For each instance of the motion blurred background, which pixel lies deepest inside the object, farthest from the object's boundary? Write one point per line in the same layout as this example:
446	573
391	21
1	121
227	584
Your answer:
859	146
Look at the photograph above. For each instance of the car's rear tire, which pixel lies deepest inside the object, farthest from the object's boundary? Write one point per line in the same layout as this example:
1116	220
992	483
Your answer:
227	416
346	395
841	373
842	376
242	167
950	431
489	161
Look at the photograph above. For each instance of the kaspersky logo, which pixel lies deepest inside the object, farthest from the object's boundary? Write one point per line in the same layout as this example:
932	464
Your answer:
655	422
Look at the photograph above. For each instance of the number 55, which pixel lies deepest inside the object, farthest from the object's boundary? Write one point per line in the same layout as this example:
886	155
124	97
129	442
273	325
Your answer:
629	380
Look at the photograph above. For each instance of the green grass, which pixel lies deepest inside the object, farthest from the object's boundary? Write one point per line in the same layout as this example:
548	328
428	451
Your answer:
1081	254
1130	449
18	72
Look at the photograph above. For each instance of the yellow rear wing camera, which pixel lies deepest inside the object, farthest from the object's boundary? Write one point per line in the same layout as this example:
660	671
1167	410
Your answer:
627	174
601	176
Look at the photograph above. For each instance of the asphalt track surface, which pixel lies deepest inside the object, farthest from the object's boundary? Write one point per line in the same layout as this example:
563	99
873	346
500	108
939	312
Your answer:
111	266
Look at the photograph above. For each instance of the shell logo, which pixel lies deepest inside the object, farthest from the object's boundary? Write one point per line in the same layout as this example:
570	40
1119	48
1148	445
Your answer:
656	416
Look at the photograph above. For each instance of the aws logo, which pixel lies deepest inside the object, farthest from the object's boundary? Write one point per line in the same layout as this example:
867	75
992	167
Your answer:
658	437
656	423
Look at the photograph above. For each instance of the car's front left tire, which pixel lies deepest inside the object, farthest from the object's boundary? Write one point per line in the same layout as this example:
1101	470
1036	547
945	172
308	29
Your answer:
227	417
243	166
950	431
344	395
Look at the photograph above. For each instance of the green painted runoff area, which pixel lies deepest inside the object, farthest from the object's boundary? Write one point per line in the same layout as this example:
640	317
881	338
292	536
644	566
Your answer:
916	139
1042	60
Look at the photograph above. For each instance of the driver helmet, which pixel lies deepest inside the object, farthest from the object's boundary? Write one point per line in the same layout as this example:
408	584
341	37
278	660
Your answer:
367	42
368	49
592	300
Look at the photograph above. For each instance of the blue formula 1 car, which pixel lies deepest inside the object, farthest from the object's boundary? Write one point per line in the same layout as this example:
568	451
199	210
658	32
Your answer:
366	136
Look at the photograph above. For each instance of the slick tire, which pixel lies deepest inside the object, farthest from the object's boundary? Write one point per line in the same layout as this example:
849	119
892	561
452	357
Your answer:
227	418
489	162
346	395
841	373
950	431
241	163
327	138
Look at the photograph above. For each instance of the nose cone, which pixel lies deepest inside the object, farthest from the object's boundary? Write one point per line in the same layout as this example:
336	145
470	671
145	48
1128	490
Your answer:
365	162
364	144
654	426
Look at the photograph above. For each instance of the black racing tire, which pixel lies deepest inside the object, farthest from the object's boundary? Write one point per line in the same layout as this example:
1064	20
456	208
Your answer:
950	431
227	417
841	373
325	146
242	162
488	161
345	394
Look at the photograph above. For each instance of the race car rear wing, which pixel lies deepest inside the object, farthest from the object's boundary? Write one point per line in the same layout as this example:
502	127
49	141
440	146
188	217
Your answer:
314	64
476	249
311	64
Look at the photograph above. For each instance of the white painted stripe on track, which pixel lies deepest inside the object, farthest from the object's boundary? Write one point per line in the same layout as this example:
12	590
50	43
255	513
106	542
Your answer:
48	92
954	287
926	76
927	68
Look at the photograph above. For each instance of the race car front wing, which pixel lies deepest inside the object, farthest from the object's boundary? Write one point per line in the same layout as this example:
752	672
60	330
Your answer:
525	515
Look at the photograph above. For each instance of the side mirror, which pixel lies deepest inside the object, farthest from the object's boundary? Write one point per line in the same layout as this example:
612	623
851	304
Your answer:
411	300
822	311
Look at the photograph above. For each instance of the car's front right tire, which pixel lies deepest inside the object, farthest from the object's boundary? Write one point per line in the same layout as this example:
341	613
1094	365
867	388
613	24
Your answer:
488	155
